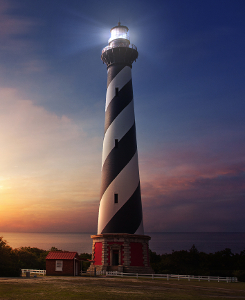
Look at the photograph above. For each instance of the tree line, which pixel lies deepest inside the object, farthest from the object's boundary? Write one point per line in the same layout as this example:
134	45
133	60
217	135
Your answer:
192	262
13	260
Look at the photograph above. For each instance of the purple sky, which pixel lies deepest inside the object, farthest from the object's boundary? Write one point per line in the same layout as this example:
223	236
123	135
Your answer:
189	104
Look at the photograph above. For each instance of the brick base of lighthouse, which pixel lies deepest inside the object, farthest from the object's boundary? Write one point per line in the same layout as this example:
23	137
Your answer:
128	253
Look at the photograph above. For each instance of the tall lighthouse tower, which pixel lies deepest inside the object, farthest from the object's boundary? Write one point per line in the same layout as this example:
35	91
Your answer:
120	243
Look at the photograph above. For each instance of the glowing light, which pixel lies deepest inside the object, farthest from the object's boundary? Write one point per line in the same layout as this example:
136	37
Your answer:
119	33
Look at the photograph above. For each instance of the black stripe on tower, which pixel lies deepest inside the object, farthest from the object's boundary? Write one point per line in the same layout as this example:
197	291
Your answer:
128	217
118	103
112	72
118	158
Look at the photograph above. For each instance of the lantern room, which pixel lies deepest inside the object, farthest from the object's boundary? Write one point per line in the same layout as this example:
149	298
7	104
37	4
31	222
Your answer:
119	36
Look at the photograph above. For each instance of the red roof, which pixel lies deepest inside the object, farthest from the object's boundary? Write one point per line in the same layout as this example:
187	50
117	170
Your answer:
61	255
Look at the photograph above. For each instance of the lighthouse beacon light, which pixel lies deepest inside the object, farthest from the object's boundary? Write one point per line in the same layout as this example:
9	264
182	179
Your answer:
119	33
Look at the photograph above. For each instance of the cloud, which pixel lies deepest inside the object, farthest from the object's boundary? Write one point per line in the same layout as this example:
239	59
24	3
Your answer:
17	43
12	26
29	131
50	167
194	190
55	217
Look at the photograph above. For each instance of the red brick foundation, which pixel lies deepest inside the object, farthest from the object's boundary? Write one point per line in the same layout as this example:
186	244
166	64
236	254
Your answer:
121	252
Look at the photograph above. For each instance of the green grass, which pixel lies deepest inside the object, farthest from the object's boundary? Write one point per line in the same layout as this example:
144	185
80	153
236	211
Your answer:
116	288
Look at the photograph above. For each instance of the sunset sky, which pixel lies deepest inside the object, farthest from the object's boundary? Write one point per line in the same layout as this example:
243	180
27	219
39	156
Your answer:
189	93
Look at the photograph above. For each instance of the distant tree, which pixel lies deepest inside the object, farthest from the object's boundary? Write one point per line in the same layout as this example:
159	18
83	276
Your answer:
31	258
8	260
158	262
54	249
193	262
240	266
85	257
221	263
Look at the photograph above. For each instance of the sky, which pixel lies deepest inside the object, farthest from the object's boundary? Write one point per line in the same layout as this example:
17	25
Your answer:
189	92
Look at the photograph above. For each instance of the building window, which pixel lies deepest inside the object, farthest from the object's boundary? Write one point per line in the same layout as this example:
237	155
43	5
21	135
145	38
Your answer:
115	198
116	143
59	265
116	91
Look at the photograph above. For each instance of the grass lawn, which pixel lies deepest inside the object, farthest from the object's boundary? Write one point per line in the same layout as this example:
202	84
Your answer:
115	288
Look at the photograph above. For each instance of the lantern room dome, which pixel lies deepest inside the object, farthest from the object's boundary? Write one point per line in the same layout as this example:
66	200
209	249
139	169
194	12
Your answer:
119	36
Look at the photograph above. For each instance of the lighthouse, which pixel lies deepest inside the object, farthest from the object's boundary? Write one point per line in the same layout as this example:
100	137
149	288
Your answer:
120	243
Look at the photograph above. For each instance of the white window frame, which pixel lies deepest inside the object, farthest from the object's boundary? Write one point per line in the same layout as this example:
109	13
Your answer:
59	265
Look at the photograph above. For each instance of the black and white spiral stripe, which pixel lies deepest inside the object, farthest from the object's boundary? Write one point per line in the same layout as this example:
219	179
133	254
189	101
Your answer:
120	171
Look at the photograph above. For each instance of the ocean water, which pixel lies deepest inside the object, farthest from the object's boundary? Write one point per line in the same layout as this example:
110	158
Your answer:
161	242
208	242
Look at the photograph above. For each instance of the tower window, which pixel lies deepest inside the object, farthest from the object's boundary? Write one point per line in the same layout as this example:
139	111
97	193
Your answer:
115	198
116	91
116	143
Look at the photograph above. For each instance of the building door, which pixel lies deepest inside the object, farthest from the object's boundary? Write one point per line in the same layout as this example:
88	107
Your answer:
115	258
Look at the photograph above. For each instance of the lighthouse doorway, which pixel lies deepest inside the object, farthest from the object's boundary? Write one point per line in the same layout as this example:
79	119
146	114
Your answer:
115	257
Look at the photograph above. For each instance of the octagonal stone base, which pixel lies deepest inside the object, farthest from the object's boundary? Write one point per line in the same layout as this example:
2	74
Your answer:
122	252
